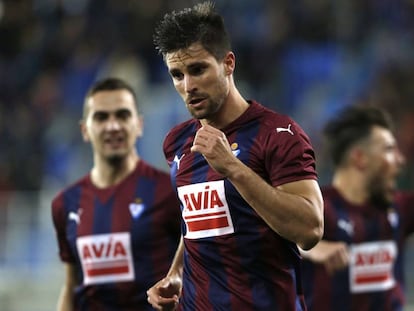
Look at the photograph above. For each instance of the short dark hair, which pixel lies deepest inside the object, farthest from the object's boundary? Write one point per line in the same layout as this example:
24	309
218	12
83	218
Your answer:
351	125
108	84
201	23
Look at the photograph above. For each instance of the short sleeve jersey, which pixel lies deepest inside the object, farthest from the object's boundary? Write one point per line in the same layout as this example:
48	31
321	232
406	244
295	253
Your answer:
375	237
121	239
233	260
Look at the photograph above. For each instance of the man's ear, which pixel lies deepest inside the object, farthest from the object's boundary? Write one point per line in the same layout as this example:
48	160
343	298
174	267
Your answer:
140	125
83	130
229	63
359	158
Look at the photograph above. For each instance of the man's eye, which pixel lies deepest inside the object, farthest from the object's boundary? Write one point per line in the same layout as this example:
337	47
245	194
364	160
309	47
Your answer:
123	114
100	116
177	75
195	71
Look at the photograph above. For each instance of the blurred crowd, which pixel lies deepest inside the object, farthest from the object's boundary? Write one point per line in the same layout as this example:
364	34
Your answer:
306	58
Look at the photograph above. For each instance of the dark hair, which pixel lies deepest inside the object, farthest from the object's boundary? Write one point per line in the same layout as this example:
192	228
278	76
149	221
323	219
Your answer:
353	124
108	84
201	23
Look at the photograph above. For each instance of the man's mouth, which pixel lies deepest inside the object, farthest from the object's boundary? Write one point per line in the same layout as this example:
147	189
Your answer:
195	101
114	141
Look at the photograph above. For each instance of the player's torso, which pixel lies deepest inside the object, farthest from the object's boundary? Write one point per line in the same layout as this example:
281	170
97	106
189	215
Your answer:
118	233
374	240
224	236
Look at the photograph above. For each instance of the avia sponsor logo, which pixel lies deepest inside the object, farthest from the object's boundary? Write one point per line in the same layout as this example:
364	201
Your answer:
379	257
372	266
205	210
106	258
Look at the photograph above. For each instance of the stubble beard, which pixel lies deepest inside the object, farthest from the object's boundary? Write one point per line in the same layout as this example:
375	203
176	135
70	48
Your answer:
379	196
115	160
212	108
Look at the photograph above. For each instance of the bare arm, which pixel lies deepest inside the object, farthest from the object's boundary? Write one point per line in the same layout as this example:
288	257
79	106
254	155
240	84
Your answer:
176	269
333	255
293	210
65	301
164	295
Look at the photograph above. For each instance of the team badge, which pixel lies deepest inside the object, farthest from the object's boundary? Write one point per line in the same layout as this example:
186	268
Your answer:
235	149
136	208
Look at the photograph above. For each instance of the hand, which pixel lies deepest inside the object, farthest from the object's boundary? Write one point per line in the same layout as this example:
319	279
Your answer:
333	255
164	295
214	146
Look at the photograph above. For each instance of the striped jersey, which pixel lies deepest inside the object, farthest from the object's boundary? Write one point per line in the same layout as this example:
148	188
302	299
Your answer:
375	236
121	239
232	259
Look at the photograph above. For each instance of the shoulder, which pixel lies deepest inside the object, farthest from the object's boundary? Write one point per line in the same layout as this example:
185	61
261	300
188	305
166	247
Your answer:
70	191
179	135
66	200
269	116
182	129
282	126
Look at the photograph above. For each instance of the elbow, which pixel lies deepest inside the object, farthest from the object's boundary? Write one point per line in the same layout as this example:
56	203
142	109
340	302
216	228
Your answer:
312	236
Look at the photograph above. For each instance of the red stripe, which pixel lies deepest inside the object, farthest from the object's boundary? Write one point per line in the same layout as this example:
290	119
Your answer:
107	271
207	224
361	279
205	215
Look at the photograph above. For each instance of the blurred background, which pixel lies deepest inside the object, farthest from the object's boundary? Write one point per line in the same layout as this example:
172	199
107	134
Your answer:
305	58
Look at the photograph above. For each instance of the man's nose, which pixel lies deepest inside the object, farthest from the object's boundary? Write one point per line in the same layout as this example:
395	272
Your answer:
401	158
112	124
189	84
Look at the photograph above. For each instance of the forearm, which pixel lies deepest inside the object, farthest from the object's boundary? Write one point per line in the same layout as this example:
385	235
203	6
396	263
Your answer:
334	255
176	268
65	299
293	210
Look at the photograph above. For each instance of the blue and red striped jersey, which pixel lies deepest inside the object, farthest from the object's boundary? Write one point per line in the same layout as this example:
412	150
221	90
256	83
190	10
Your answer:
233	260
375	236
121	239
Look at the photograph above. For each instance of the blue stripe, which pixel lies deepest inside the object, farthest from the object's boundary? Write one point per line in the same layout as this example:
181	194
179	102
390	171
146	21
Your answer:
102	220
145	189
72	195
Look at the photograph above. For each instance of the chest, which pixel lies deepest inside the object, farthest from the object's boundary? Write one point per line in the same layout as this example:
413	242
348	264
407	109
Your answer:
357	227
190	167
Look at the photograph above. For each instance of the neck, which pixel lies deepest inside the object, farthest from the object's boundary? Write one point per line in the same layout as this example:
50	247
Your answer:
106	173
350	185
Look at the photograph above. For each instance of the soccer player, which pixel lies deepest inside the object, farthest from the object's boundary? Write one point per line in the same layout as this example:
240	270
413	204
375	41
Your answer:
245	176
118	226
358	266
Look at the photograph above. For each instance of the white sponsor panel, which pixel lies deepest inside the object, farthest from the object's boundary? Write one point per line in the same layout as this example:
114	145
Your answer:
371	266
206	212
106	258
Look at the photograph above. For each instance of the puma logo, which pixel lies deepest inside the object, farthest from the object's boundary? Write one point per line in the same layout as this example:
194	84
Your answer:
75	216
178	160
347	226
285	129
